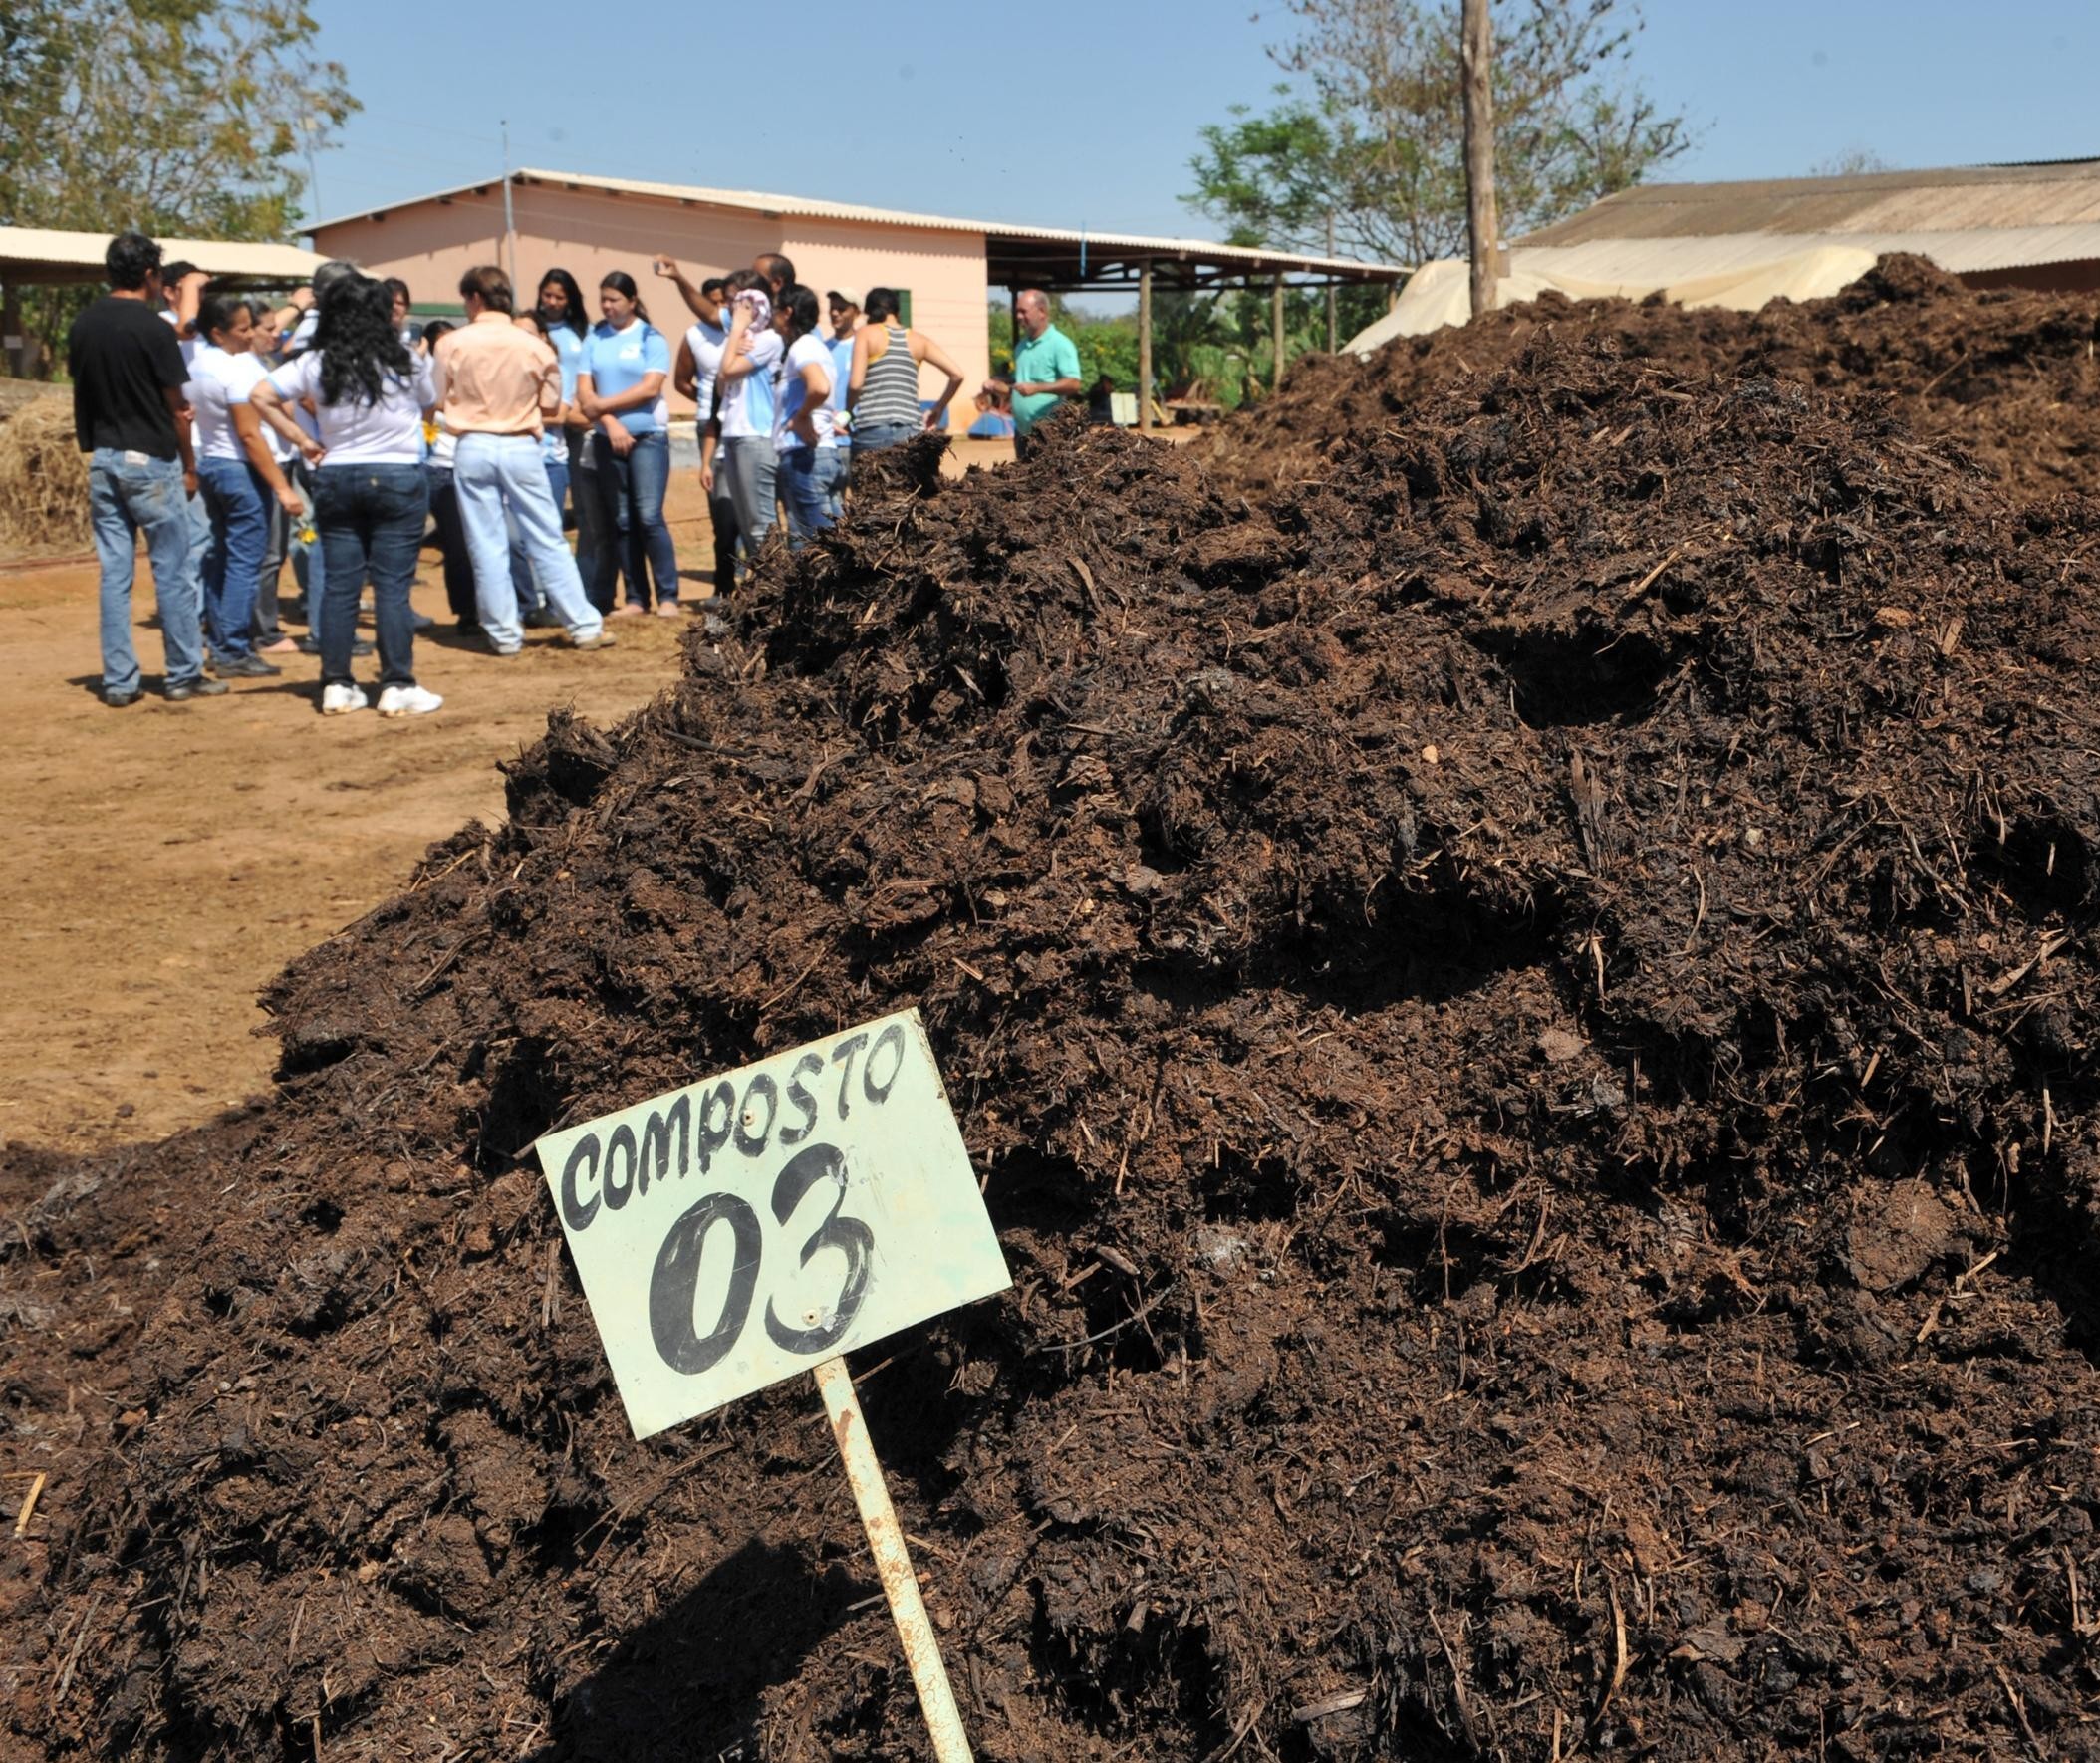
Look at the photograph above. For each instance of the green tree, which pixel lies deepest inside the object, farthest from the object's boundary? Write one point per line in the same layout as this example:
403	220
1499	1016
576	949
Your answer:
178	116
1372	142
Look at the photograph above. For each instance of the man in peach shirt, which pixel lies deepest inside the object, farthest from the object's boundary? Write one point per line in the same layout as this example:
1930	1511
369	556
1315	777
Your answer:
497	385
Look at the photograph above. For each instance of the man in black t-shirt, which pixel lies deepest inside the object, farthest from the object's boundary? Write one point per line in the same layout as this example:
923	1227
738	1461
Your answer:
130	419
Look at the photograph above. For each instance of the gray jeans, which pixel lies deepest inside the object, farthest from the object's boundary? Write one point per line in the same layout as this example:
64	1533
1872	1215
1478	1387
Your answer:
753	472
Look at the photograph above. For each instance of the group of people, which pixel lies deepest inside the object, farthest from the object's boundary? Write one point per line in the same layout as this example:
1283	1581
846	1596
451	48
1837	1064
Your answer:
332	431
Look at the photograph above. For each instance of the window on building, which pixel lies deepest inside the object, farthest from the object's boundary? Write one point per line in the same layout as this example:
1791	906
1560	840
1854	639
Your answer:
903	307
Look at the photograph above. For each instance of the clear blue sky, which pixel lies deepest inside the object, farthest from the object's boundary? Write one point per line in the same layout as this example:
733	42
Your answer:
917	110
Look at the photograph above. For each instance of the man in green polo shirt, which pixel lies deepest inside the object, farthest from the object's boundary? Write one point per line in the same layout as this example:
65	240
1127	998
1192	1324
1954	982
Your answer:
1045	368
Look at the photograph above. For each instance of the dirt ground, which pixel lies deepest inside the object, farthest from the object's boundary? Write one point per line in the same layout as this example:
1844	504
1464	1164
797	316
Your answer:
172	858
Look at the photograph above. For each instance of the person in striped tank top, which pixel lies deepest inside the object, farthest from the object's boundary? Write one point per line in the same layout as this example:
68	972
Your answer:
883	394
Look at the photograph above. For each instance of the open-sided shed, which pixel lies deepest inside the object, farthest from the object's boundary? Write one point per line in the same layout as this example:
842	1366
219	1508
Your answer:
33	257
535	220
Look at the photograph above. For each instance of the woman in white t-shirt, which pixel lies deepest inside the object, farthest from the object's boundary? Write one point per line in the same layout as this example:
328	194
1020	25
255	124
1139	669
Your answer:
802	415
372	500
694	375
238	476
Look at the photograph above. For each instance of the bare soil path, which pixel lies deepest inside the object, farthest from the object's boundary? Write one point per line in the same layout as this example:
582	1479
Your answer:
167	860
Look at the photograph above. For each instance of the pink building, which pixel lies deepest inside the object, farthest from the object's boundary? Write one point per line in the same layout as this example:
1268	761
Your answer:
947	268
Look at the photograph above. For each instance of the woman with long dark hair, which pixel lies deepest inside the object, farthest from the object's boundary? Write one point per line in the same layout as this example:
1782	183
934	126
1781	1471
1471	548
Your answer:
370	396
620	391
561	310
801	416
238	477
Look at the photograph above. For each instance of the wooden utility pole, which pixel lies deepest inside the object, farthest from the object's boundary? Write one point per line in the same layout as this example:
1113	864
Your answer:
1276	327
1477	61
1145	347
1330	284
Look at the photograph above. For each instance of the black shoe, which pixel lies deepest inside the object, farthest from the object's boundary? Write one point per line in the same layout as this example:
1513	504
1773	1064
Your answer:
541	619
117	699
247	668
310	646
181	690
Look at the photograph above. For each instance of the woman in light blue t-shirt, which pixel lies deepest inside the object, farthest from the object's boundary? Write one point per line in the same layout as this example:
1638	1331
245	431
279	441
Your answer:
619	389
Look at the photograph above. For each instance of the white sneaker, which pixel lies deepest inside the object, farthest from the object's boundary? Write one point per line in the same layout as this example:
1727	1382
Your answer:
339	700
408	700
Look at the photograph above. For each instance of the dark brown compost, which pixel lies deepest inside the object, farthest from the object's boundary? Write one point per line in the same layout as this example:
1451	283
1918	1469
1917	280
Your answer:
1525	1012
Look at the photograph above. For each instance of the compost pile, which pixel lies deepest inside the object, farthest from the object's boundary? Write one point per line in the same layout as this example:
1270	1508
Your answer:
1524	1019
2009	375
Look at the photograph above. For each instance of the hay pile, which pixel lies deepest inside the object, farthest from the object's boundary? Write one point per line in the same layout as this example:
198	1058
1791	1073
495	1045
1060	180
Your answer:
43	478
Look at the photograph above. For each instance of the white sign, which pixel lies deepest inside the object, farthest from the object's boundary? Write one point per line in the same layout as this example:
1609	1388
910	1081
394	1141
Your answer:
742	1229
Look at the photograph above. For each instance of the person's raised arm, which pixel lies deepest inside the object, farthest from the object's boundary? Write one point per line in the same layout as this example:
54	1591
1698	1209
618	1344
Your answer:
737	360
189	295
927	349
703	307
293	310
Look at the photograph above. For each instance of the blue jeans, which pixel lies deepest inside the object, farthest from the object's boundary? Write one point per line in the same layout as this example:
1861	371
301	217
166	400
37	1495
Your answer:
583	504
129	494
371	520
834	465
200	544
307	567
496	472
808	510
632	532
237	506
451	546
264	624
879	437
531	591
753	487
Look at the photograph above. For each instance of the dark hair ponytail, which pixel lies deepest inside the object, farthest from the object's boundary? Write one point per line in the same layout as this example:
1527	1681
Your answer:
217	313
622	284
881	304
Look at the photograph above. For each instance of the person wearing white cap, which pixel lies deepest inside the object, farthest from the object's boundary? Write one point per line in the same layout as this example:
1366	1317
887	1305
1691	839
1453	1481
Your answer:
844	310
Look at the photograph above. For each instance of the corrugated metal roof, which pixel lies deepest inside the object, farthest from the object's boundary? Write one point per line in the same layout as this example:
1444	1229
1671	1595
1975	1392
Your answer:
811	209
1970	217
31	250
1661	261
